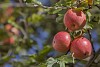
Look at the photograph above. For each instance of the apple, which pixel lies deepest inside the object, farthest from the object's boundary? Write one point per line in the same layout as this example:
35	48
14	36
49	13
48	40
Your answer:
8	27
11	30
74	19
9	11
10	40
61	41
81	48
15	31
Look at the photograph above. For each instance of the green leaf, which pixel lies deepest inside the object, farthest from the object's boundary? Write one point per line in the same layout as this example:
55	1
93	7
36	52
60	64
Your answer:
37	2
45	50
35	18
88	26
60	18
62	64
51	62
28	1
89	16
41	55
66	59
56	11
42	65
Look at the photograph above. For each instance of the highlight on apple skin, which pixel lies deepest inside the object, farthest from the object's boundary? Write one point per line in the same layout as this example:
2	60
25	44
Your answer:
61	41
74	19
81	47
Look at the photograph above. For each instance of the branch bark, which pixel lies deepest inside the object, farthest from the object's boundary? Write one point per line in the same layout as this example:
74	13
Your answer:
95	55
93	58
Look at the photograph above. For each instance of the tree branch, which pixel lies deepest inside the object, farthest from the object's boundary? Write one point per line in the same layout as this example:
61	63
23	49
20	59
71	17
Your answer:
93	57
31	5
91	40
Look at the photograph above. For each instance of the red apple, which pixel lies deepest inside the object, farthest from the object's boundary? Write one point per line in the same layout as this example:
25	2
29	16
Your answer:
81	47
8	27
74	19
15	31
10	40
9	11
61	41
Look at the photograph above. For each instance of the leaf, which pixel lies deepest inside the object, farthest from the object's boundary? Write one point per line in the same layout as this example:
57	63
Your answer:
89	16
41	55
36	18
66	59
62	64
96	2
60	18
37	2
45	50
42	65
79	9
51	62
90	2
88	26
61	61
56	11
28	1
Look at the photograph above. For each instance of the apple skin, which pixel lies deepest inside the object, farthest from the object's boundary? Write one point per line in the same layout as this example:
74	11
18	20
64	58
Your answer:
10	40
81	47
11	30
8	27
74	19
9	11
15	31
61	41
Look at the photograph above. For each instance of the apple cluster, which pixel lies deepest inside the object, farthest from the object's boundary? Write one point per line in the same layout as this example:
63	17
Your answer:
80	47
10	31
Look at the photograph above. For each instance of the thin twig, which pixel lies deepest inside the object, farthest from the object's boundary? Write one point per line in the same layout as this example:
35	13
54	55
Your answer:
93	57
31	5
91	40
21	2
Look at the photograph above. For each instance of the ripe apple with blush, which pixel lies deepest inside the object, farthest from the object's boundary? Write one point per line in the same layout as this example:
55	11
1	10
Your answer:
10	40
61	41
74	19
15	31
8	27
11	30
9	11
81	47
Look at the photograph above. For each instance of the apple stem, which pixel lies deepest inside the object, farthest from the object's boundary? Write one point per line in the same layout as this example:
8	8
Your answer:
73	58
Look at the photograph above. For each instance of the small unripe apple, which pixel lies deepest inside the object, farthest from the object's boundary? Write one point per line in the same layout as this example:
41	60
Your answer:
81	48
10	40
74	19
61	41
